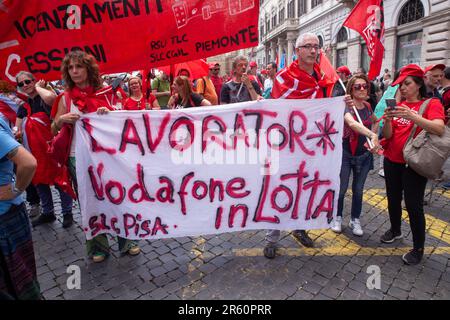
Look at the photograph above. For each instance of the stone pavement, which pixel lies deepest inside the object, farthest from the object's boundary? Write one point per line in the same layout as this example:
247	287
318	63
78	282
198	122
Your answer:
232	265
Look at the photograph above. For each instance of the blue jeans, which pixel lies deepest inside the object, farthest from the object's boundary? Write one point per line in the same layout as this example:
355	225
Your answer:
47	200
360	165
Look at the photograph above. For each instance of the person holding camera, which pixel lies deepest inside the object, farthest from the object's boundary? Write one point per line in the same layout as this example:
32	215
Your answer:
401	179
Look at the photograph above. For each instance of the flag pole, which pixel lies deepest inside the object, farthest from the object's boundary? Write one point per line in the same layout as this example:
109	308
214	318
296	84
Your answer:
357	114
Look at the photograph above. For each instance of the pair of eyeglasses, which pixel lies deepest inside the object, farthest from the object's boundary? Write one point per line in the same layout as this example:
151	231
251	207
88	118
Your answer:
360	86
216	69
310	46
24	82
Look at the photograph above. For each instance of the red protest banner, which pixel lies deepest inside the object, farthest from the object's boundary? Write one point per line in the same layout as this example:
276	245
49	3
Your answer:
367	18
123	35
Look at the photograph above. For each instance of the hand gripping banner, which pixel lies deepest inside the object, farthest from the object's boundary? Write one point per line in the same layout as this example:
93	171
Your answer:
271	164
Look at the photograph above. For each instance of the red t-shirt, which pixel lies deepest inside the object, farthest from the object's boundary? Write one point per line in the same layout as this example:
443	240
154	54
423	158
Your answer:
131	104
217	82
401	128
446	102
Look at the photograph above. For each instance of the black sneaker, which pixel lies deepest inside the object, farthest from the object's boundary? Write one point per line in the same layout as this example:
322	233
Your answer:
413	257
303	238
270	251
390	236
43	218
67	220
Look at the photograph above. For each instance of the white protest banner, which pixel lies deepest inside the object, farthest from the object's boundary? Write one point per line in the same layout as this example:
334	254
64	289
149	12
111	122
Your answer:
270	164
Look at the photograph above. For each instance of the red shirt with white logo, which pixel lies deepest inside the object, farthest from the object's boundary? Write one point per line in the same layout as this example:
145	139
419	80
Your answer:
401	128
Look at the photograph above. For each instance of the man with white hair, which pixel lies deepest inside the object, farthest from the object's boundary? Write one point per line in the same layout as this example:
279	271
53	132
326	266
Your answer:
433	77
303	79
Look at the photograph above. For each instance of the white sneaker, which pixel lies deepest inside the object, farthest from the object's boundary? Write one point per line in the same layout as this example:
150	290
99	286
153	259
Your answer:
337	226
355	225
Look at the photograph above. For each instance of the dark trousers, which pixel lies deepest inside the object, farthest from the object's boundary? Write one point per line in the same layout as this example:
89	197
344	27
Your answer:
360	166
402	180
32	195
46	196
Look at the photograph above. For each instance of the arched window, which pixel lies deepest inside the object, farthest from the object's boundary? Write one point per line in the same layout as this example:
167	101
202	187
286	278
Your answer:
409	46
342	52
320	41
342	35
413	10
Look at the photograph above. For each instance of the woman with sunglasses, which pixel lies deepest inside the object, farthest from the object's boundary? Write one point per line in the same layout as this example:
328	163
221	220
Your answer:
36	132
183	96
136	99
401	180
83	82
356	157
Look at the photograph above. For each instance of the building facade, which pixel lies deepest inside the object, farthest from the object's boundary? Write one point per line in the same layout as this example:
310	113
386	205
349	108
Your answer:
416	31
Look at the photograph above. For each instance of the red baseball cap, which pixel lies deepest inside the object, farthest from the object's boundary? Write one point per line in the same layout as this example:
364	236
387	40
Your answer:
253	64
409	70
344	69
263	71
435	66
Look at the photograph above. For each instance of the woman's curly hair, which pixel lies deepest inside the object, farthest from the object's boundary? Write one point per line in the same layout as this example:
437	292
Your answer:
85	60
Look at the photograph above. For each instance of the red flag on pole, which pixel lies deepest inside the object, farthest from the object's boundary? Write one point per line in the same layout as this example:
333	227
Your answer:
367	18
327	68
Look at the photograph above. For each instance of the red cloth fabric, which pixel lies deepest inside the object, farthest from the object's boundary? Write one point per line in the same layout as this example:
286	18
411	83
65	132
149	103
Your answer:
367	18
8	112
217	82
327	68
87	100
446	102
293	83
255	78
37	130
353	135
131	104
401	128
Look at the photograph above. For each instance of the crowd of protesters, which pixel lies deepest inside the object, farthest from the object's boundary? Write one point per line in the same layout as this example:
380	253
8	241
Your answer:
34	122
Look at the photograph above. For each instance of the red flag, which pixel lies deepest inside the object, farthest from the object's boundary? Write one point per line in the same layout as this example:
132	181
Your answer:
327	68
367	18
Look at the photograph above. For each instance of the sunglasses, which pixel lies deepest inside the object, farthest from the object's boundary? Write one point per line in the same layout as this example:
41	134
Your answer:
216	69
24	82
360	87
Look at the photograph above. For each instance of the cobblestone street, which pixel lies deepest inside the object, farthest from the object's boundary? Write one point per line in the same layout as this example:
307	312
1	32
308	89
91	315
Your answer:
232	265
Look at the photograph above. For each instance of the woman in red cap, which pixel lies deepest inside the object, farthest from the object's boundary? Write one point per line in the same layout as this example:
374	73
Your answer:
401	179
